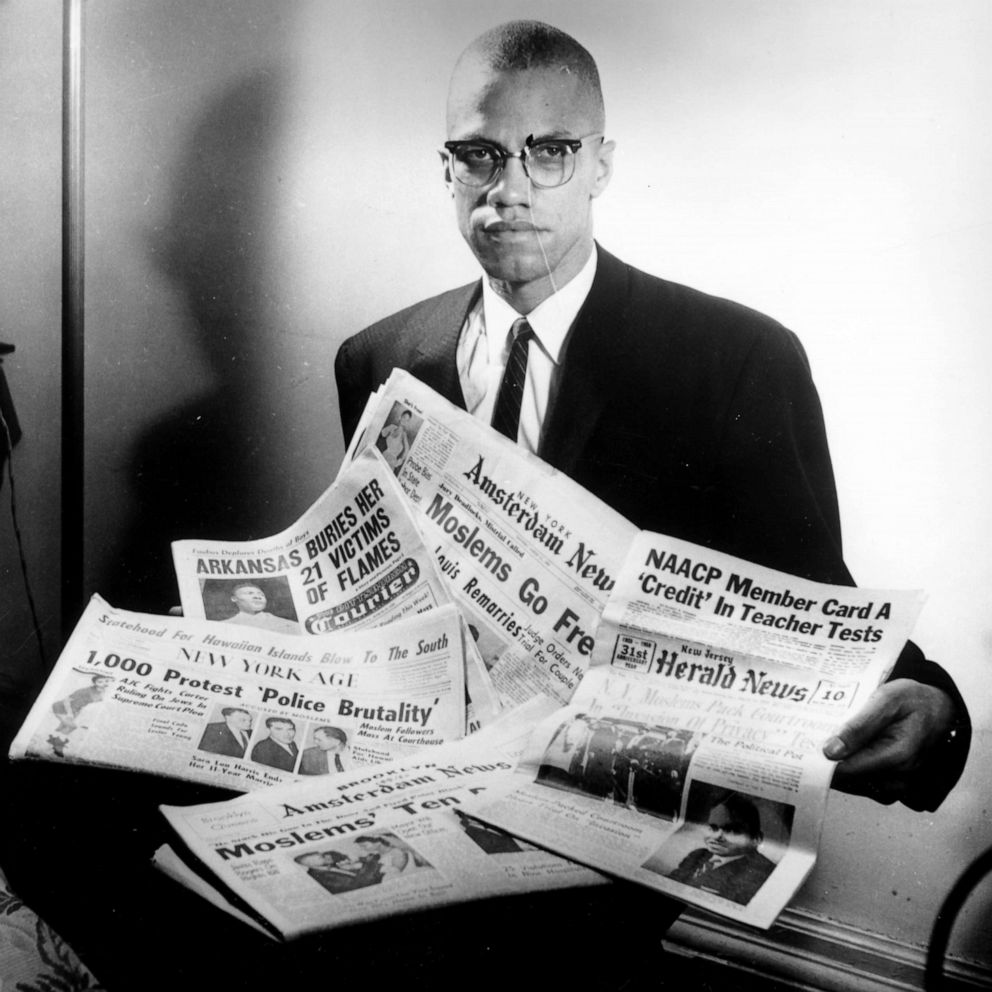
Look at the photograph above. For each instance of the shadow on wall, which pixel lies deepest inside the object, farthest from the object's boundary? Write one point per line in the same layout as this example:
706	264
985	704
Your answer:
196	472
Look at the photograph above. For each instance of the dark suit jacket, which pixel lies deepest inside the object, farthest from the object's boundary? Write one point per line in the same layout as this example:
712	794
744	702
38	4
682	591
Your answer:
737	880
337	881
219	739
318	762
691	415
268	752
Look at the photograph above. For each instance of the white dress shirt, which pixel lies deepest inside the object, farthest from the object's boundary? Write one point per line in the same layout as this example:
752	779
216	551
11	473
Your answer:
484	346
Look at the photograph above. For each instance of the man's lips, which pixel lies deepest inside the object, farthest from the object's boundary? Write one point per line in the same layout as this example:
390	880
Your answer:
509	227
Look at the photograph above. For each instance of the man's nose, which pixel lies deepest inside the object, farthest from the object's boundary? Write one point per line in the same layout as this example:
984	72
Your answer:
512	186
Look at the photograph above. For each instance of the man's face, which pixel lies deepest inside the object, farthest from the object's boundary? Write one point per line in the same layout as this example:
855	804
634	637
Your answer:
249	599
516	231
282	732
102	683
239	720
724	837
371	846
326	742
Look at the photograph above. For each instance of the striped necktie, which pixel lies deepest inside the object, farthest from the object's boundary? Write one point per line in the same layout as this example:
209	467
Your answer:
506	413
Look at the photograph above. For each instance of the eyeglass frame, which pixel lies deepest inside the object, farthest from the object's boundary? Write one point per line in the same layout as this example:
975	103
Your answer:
574	145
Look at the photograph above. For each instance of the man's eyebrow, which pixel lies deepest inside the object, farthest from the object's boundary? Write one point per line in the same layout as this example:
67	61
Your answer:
553	136
480	138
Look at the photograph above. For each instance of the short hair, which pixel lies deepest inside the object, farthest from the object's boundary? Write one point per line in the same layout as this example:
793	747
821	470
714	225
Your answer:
270	720
373	838
521	45
100	675
743	814
228	710
336	856
336	732
300	858
246	584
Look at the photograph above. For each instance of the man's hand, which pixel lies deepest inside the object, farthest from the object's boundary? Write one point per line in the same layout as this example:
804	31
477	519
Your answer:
881	747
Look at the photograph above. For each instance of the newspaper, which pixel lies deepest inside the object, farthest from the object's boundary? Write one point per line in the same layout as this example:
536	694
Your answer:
306	857
530	556
355	559
689	759
245	708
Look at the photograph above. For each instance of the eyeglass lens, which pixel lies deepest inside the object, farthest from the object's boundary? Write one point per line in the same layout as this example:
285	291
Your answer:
548	163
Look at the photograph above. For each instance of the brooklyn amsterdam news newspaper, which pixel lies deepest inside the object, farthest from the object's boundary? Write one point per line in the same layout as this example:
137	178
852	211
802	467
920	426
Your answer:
311	856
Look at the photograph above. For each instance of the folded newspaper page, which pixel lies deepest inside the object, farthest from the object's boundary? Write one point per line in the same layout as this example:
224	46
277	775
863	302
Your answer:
359	846
244	708
690	757
530	556
355	559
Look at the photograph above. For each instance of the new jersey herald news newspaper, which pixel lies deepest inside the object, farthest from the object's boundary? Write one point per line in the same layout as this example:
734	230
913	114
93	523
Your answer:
689	758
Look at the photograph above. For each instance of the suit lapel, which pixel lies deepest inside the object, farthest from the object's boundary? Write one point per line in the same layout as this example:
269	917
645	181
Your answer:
592	358
437	332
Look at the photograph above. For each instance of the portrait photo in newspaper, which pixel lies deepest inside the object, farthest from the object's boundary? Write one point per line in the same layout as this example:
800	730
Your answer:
729	843
229	732
264	602
327	753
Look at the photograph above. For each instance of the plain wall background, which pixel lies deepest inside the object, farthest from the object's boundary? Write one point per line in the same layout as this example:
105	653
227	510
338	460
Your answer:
262	180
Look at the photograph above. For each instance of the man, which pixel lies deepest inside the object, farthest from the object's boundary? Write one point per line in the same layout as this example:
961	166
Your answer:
729	865
690	415
388	855
251	601
279	749
325	755
337	872
229	736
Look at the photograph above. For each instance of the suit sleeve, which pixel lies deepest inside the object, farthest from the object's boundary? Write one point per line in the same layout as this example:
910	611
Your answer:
353	390
783	513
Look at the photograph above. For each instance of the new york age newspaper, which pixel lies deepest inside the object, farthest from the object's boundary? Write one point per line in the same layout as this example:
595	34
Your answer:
366	844
243	708
529	555
355	559
689	759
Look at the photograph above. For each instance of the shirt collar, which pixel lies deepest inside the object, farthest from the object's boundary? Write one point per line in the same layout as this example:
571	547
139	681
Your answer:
549	320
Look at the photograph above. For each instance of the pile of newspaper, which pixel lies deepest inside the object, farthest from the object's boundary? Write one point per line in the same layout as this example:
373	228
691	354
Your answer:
459	675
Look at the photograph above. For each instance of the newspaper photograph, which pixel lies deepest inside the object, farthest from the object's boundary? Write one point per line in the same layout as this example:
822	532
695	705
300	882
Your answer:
690	758
529	555
354	847
246	708
355	559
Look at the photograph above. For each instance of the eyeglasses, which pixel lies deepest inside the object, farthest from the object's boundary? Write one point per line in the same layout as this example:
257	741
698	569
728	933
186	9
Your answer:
548	163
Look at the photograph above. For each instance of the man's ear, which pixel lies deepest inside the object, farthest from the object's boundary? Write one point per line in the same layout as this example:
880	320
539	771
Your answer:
449	181
604	167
